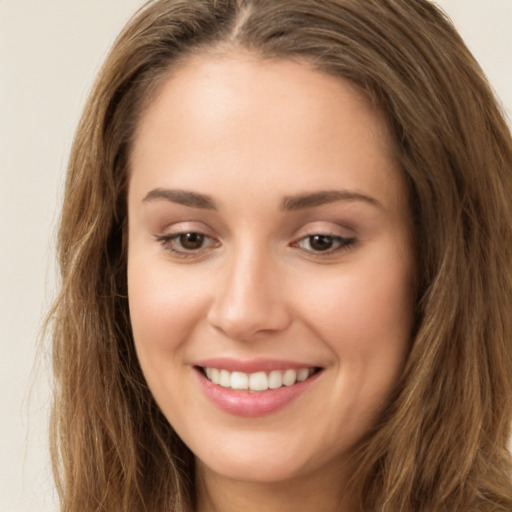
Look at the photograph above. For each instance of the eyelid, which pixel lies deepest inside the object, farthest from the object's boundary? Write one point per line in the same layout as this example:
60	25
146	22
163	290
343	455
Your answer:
184	226
326	228
169	238
340	244
170	244
343	238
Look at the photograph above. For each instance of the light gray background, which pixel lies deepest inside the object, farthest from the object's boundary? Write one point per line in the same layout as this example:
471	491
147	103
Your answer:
49	53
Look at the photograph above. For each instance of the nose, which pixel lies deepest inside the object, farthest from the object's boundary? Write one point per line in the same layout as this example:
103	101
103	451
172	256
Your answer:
250	301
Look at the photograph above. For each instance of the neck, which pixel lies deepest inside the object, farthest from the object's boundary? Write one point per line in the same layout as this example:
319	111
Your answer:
301	494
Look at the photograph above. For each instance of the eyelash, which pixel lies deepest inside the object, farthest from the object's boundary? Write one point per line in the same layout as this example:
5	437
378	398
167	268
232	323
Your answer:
341	243
170	243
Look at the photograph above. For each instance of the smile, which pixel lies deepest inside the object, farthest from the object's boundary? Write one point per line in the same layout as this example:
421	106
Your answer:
254	388
257	381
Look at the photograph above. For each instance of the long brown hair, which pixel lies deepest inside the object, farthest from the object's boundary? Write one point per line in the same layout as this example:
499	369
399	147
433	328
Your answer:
441	442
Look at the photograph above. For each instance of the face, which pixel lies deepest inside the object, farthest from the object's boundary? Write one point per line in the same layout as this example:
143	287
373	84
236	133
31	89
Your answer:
270	271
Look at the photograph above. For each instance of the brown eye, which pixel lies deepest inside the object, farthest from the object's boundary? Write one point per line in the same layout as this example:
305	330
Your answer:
188	244
321	242
191	241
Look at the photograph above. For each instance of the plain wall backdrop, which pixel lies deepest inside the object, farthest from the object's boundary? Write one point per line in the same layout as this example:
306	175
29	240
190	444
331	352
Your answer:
50	51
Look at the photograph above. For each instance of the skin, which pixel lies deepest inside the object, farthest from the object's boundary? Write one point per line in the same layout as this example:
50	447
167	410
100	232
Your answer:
249	133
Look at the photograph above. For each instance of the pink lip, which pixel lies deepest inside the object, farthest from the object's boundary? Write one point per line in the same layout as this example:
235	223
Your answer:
252	404
251	366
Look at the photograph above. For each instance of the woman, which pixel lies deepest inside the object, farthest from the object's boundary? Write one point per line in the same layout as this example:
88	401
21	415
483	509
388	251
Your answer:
285	252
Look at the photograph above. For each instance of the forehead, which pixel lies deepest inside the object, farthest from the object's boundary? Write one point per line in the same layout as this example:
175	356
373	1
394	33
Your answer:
240	82
256	117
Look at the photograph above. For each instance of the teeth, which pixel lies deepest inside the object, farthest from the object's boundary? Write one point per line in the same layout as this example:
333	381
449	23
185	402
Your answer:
302	374
239	380
225	379
275	380
259	381
289	377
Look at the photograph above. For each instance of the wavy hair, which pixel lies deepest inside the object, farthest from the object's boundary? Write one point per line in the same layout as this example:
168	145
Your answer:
441	442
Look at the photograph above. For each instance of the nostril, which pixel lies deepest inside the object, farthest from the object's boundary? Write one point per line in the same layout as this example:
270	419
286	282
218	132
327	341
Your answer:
249	300
245	321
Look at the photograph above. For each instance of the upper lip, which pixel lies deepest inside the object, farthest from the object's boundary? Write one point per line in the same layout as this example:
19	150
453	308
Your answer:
252	365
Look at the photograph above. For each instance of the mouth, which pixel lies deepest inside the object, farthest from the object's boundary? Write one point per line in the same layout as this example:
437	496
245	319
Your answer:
257	387
259	381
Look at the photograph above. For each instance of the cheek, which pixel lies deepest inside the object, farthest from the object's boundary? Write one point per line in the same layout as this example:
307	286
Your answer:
364	314
164	309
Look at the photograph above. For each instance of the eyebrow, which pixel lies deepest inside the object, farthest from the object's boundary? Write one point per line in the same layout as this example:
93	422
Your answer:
309	200
289	203
184	197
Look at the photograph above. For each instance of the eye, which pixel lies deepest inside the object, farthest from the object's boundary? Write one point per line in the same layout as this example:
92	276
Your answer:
187	243
191	241
321	243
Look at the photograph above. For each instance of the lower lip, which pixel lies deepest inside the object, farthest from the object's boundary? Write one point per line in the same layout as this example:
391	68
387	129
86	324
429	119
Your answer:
253	404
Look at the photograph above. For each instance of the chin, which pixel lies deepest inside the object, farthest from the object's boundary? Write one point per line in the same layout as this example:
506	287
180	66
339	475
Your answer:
257	470
266	458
